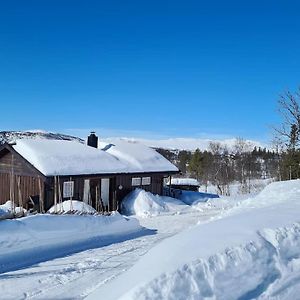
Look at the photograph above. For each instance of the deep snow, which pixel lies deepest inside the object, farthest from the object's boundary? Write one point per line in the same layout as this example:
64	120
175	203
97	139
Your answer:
250	252
8	209
240	249
38	238
145	204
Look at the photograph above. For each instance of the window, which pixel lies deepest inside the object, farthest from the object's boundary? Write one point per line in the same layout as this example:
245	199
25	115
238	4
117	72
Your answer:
136	181
146	180
68	189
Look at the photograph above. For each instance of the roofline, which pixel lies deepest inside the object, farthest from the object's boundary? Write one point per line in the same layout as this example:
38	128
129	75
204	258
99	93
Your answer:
166	173
44	176
12	150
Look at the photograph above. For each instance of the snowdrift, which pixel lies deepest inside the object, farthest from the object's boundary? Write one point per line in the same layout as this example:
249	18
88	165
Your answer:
253	252
8	209
145	204
74	206
41	237
192	198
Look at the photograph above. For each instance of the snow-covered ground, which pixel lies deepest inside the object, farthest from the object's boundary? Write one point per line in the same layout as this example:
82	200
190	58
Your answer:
227	248
9	208
37	238
236	188
251	252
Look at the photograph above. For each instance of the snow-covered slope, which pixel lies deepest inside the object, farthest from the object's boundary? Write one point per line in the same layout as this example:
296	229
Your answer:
12	136
186	143
253	252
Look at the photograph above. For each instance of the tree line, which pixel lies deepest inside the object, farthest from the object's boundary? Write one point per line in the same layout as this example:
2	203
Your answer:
220	165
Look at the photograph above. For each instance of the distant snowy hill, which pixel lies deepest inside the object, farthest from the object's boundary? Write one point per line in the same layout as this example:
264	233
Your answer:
11	136
171	143
186	143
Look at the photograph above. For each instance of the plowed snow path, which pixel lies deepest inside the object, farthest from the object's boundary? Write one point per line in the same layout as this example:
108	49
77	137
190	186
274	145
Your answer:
77	275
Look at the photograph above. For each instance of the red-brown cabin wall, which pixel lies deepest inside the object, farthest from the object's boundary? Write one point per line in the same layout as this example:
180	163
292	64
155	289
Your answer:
28	180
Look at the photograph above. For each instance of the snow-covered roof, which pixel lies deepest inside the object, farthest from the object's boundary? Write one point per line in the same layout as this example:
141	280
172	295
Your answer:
137	157
185	181
63	157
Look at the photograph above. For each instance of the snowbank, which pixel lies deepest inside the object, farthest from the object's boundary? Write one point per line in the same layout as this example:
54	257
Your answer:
251	253
145	204
41	237
190	197
236	188
74	206
8	209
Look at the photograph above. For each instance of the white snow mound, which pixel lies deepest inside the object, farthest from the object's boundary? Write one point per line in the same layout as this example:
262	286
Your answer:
8	208
145	204
74	206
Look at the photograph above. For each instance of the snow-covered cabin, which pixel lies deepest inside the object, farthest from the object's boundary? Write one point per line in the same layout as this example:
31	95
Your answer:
59	169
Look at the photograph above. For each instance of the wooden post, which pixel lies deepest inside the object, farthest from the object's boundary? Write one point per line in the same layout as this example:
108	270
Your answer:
61	209
12	185
20	194
41	191
55	194
170	179
71	204
97	198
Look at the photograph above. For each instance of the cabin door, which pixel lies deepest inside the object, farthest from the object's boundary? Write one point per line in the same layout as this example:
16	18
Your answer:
105	191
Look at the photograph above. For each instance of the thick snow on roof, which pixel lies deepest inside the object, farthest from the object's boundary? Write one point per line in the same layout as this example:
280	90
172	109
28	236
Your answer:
137	157
185	181
61	157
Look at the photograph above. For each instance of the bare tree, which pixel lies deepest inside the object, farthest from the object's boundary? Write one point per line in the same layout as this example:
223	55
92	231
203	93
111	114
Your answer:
289	109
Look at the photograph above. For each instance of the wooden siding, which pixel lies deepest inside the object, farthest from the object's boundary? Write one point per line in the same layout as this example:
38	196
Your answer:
95	183
18	176
115	194
29	186
9	162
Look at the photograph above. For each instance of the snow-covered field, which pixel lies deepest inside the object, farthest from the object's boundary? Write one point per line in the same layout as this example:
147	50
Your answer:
227	248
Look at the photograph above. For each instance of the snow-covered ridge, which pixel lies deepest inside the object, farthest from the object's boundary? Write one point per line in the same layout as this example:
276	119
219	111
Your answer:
187	143
12	136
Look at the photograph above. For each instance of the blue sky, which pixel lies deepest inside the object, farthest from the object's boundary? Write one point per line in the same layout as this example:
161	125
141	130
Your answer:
147	68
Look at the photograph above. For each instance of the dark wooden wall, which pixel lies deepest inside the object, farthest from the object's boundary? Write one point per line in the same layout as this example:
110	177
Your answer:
29	186
116	194
22	173
8	161
156	186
